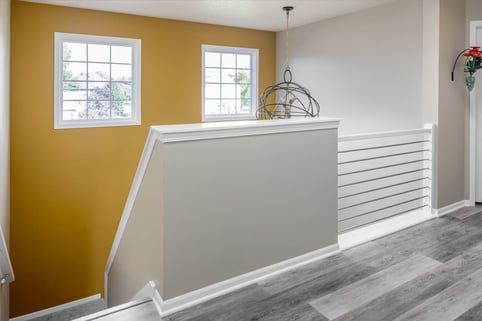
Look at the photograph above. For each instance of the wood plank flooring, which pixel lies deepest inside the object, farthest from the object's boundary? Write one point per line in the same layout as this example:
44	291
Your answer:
429	272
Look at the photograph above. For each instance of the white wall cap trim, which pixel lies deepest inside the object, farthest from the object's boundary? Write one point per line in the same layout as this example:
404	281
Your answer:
57	308
214	130
346	138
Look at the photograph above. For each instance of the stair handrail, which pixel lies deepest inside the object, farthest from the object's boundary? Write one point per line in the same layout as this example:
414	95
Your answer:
6	270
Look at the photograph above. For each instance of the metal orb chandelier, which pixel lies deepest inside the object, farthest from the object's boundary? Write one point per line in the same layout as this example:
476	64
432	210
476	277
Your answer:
287	99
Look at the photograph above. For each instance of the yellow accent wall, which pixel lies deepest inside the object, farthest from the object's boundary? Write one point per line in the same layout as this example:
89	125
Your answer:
68	187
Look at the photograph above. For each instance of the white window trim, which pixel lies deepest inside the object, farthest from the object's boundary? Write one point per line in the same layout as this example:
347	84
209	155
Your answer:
60	38
254	82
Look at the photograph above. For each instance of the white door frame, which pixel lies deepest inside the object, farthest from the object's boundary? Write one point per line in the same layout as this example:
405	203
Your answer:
474	25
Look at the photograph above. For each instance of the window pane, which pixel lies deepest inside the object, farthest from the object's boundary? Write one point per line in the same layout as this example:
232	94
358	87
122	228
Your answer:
243	61
74	90
99	71
121	91
243	77
98	109
228	76
212	106
75	71
244	105
212	59
228	60
212	91
121	109
228	91
242	91
99	91
121	72
75	51
98	80
212	75
72	110
121	54
228	106
98	53
227	82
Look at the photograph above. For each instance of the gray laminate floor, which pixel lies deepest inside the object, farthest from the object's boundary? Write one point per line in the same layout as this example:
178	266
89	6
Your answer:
429	272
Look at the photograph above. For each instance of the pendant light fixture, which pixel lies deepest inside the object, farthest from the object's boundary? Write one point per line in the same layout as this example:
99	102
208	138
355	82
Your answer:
287	99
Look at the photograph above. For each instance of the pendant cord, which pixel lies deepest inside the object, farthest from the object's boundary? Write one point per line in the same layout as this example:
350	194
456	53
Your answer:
287	42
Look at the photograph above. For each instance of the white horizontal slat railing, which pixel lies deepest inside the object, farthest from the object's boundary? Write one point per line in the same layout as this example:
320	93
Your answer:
381	175
6	271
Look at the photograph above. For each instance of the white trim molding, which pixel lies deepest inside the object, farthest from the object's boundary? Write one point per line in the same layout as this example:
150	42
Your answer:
474	25
118	308
6	270
141	169
184	301
191	132
57	308
451	208
387	226
427	129
166	307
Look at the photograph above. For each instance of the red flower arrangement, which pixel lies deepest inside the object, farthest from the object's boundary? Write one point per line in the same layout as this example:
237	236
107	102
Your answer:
474	59
473	62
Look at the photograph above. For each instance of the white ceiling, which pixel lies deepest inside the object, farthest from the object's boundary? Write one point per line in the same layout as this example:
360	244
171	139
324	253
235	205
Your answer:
254	14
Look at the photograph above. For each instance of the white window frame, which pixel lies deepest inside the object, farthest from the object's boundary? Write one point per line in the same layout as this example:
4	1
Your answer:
254	53
135	119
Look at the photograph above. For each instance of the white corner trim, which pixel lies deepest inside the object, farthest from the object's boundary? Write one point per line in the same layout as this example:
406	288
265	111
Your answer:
146	292
451	208
201	295
149	291
57	308
214	130
136	184
387	226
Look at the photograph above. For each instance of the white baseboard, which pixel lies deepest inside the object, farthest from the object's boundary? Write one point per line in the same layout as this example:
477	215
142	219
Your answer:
118	308
56	308
451	208
201	295
387	226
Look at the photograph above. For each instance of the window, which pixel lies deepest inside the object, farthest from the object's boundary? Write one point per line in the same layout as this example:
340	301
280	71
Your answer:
230	83
97	81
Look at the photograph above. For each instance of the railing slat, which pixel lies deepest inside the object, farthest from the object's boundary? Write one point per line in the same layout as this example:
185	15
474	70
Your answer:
383	174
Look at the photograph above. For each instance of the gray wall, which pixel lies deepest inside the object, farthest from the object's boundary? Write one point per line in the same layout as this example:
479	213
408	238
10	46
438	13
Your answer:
4	137
388	68
239	204
139	256
451	107
473	9
210	210
365	67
